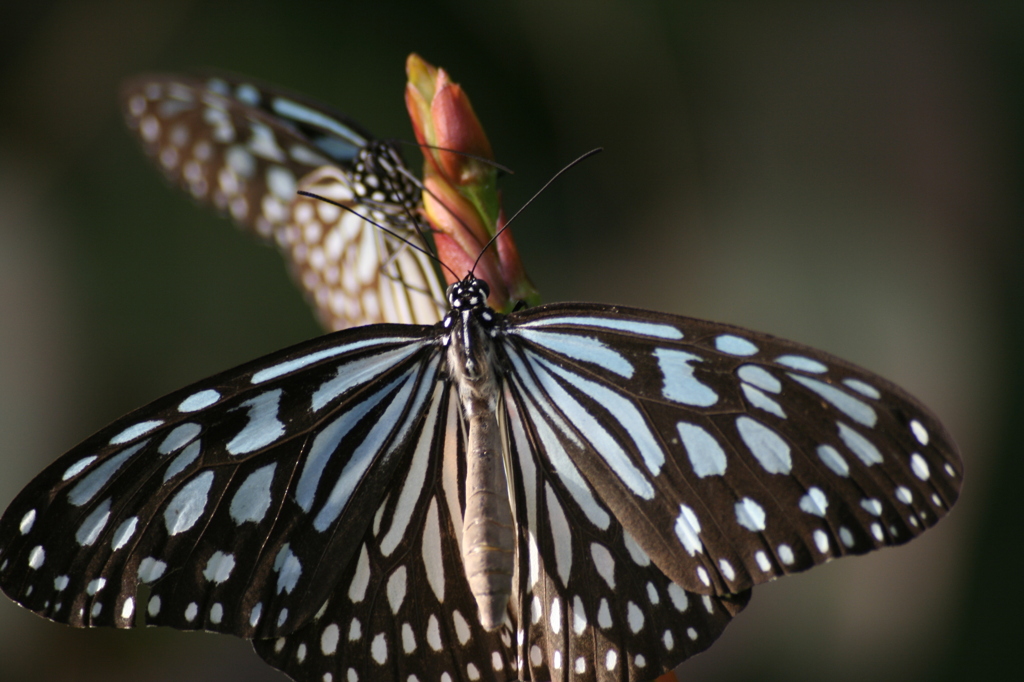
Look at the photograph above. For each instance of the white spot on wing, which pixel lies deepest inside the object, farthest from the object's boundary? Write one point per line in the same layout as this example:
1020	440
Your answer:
821	541
855	409
833	460
579	616
639	556
687	529
396	589
263	427
555	615
199	401
678	597
219	567
78	467
801	363
93	524
252	499
379	649
92	482
604	615
461	627
814	502
872	506
151	569
181	435
919	466
288	569
188	504
329	639
768	448
357	590
759	377
433	633
634	617
183	460
561	534
864	389
750	515
920	433
604	563
859	445
706	456
758	399
27	521
735	345
281	182
680	385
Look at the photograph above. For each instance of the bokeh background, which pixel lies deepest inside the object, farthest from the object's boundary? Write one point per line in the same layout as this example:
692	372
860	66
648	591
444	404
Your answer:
848	175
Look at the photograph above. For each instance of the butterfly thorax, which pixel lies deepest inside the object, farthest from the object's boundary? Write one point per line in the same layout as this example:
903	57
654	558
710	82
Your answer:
488	535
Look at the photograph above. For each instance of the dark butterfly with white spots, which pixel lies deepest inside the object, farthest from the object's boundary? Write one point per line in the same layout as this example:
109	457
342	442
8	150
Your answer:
569	492
246	148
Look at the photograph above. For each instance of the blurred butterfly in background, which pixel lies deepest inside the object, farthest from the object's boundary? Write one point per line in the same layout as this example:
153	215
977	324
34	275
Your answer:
568	492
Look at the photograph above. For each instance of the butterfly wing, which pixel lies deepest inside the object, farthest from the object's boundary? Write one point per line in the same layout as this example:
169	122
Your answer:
731	457
220	505
246	149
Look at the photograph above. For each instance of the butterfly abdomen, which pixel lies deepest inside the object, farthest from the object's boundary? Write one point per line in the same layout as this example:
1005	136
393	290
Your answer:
488	530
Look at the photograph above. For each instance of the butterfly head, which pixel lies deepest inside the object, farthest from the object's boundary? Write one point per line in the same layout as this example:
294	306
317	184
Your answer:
468	294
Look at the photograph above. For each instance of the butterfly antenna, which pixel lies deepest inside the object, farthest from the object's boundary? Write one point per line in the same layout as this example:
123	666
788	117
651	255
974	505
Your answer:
394	234
508	222
489	162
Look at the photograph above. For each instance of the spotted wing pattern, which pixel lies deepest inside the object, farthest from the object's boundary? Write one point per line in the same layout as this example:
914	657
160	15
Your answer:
214	503
313	500
246	149
755	456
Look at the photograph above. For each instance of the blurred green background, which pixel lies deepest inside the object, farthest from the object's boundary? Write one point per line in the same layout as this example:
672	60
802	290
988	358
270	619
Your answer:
845	175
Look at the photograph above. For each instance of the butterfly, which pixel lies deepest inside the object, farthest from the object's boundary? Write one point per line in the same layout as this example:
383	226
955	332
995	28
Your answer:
573	491
246	149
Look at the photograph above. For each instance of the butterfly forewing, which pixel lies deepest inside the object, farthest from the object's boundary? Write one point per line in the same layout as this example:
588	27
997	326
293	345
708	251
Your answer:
732	457
225	499
246	149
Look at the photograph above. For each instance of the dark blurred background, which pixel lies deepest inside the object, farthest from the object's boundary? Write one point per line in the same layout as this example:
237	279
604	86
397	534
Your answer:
845	175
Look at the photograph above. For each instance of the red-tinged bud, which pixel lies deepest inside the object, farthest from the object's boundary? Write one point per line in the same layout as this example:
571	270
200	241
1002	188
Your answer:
461	199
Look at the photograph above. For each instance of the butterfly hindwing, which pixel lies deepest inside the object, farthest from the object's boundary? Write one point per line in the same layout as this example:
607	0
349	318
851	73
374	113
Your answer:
246	149
732	456
403	606
594	605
